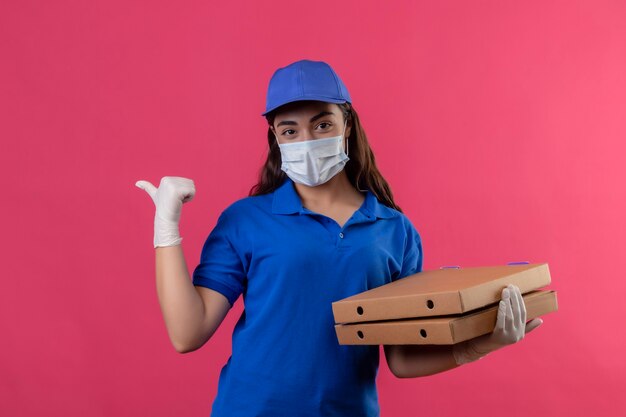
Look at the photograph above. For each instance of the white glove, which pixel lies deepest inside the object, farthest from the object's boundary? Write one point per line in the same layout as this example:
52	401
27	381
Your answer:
168	199
510	328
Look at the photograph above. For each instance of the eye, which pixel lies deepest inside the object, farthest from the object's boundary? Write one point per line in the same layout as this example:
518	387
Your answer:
287	130
324	124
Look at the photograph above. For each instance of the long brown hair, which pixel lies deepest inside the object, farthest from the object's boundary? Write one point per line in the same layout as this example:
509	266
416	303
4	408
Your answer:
361	169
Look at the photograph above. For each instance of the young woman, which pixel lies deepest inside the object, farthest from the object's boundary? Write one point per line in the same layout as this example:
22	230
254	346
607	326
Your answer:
320	225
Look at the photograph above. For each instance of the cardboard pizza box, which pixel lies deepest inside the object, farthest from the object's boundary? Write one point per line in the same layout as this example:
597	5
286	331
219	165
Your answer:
439	330
439	292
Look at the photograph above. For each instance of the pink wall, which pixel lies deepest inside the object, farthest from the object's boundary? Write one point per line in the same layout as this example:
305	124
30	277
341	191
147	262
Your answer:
500	126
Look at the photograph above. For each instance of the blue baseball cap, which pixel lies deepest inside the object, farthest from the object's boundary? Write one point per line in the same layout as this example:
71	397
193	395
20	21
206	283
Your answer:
305	80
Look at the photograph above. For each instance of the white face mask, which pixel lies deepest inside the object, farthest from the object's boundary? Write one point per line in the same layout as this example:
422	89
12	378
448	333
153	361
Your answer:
313	162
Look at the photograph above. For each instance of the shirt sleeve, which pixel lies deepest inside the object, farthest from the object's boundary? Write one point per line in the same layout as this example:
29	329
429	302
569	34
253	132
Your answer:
413	259
221	268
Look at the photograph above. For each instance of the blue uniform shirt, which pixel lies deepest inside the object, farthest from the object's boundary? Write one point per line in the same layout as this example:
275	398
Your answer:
290	264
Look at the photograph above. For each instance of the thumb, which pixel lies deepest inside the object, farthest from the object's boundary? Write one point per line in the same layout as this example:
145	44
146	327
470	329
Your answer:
533	324
501	317
147	187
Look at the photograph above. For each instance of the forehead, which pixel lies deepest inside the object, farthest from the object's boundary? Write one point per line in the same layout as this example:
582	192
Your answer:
303	109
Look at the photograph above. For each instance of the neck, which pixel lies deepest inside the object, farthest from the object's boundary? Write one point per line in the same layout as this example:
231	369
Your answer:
337	189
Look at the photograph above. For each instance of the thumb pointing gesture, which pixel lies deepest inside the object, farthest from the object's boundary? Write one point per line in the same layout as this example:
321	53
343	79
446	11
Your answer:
168	199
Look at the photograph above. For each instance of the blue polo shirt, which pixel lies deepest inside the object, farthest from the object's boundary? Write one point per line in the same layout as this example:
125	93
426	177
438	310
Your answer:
290	264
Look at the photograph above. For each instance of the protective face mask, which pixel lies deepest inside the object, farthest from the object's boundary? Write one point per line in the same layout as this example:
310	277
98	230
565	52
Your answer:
313	162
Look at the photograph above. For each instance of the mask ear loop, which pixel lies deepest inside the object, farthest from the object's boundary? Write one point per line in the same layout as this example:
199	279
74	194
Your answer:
348	150
345	138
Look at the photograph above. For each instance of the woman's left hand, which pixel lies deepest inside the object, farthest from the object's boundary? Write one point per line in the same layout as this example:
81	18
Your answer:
511	327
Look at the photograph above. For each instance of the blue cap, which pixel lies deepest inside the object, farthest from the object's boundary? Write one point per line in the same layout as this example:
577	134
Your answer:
305	80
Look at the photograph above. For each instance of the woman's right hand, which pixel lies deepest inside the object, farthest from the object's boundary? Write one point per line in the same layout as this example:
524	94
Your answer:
168	199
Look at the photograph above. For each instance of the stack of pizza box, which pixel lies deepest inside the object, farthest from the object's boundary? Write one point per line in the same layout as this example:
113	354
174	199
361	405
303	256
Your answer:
440	307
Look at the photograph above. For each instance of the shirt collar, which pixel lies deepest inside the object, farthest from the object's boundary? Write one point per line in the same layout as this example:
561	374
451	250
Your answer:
287	201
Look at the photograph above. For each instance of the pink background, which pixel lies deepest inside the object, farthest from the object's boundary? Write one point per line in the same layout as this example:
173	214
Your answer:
500	126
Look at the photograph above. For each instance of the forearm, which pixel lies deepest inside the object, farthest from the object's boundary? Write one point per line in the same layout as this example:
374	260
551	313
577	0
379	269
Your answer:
410	361
423	360
181	305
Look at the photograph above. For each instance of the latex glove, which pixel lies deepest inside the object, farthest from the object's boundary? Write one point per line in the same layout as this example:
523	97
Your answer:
510	328
168	199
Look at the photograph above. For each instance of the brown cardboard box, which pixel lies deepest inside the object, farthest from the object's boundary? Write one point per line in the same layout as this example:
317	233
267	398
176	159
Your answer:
439	292
439	330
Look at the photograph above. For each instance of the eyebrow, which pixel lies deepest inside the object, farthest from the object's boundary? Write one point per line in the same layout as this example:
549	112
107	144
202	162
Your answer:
314	118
